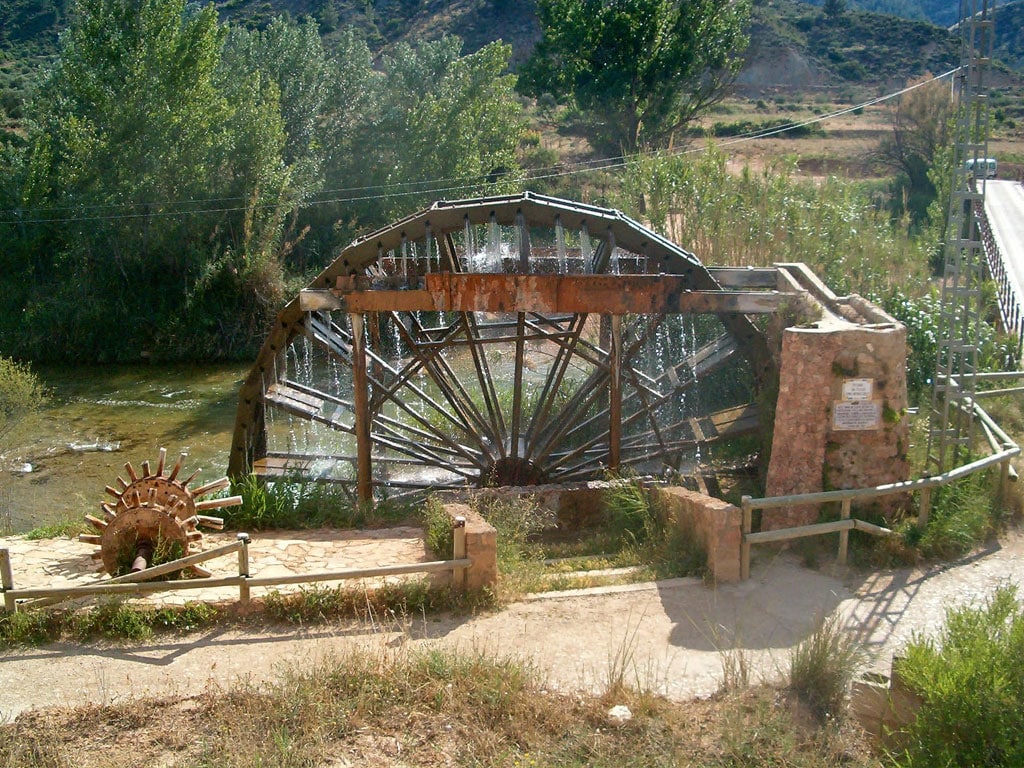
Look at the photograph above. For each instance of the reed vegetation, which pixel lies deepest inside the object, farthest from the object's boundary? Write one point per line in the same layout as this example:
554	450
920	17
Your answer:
759	217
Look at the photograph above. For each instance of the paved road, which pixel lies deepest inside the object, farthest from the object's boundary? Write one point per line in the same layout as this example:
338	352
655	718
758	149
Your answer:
1004	204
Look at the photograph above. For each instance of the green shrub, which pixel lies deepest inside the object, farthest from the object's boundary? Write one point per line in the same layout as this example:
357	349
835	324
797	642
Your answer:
971	681
922	316
58	530
961	518
21	393
822	666
437	526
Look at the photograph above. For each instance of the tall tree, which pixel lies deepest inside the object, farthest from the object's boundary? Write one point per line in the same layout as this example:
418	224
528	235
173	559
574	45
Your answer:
922	120
156	187
640	69
440	124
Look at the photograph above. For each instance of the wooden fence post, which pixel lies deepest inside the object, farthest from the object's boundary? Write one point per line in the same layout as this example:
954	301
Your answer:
7	579
243	568
744	544
925	509
844	535
459	551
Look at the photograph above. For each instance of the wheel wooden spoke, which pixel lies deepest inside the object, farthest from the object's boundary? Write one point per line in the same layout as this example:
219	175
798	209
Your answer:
484	380
455	393
556	375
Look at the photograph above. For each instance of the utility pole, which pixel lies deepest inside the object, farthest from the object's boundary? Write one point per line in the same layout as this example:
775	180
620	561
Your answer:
951	426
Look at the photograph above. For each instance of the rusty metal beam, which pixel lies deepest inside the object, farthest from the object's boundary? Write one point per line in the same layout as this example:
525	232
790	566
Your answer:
614	294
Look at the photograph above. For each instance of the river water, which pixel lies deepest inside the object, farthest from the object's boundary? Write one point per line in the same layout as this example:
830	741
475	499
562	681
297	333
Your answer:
56	465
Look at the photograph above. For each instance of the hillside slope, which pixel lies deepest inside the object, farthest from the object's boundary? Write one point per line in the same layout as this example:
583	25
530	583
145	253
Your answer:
793	44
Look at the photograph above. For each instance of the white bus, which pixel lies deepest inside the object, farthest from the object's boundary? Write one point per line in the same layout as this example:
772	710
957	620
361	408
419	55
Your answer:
987	167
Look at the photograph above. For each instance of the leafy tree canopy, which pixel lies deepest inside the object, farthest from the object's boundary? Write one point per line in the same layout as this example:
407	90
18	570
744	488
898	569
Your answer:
640	69
174	171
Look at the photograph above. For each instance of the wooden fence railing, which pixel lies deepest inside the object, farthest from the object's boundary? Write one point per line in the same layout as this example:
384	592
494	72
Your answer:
141	583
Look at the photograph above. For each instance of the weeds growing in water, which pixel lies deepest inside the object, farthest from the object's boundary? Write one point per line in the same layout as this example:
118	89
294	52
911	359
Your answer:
823	665
293	505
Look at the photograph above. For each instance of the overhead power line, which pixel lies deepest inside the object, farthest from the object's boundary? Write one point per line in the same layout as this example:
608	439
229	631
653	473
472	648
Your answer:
439	186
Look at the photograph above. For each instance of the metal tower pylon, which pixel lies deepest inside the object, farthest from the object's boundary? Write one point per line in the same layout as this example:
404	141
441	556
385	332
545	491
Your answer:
951	423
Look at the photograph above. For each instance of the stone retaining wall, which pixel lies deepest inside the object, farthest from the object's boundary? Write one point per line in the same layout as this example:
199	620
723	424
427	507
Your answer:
716	523
481	546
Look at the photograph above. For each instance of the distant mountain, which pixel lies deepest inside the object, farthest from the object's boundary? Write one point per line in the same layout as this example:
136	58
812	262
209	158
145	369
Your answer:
793	43
796	45
944	13
1008	17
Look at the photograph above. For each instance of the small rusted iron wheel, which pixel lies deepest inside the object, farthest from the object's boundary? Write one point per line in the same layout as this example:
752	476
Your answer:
154	517
146	533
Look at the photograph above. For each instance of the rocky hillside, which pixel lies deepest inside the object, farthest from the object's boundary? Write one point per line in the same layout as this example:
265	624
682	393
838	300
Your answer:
794	45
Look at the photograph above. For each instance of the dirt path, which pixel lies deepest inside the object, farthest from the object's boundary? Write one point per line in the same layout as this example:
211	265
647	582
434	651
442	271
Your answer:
665	636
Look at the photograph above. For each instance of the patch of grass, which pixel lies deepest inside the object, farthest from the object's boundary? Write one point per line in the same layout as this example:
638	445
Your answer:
294	505
114	620
62	529
387	603
631	534
432	706
971	682
822	666
630	516
520	556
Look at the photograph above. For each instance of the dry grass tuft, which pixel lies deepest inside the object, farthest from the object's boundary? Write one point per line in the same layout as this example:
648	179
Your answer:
427	707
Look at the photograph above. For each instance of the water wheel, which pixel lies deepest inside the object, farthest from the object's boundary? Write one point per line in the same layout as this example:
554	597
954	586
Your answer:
154	518
505	341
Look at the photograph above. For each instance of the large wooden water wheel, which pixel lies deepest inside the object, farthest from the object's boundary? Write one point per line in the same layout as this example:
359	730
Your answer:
504	341
154	518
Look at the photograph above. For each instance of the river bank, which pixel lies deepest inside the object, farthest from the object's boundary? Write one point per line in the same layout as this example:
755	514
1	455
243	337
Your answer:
55	465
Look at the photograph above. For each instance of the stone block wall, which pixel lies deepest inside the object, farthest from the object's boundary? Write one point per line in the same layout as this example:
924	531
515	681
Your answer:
716	523
831	374
481	546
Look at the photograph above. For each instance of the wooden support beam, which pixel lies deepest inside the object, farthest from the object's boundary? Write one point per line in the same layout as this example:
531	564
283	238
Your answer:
613	294
615	394
361	403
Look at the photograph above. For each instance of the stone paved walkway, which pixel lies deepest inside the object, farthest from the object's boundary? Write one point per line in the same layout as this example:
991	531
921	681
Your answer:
67	562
